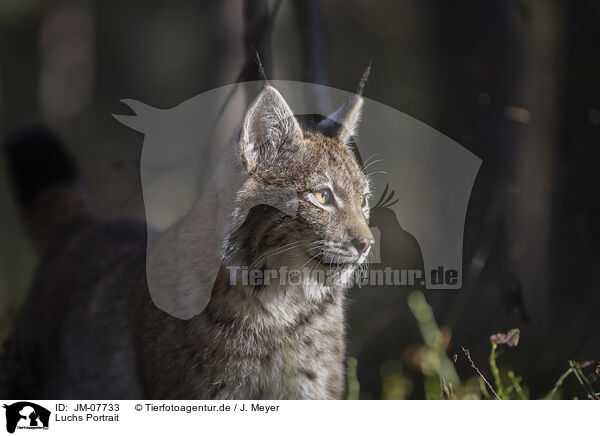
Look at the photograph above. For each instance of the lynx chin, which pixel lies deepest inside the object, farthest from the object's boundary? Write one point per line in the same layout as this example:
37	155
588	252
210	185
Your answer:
89	328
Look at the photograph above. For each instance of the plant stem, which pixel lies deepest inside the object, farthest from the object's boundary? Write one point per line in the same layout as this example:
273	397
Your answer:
515	382
352	379
496	371
559	383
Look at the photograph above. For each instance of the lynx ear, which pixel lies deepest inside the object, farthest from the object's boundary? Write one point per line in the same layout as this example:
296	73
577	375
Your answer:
269	127
343	123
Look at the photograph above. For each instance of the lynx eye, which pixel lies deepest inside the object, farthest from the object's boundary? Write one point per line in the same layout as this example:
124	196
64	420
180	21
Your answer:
324	196
365	202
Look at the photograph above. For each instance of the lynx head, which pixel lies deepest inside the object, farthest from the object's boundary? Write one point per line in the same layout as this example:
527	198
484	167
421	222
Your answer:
319	167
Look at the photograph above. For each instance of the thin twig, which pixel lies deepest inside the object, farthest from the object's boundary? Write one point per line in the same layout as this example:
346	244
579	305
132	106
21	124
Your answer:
479	372
583	381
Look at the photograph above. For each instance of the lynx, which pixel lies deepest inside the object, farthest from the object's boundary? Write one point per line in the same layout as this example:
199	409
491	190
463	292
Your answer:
89	328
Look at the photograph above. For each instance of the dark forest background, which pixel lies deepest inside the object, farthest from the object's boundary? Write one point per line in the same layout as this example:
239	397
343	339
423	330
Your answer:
515	82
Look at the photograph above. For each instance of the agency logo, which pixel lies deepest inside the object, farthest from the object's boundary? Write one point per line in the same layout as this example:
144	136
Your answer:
24	415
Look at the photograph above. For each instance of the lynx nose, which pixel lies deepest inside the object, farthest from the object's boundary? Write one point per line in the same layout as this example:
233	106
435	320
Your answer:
362	244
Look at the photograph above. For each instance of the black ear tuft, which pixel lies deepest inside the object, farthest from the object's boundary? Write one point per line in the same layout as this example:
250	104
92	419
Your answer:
261	69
